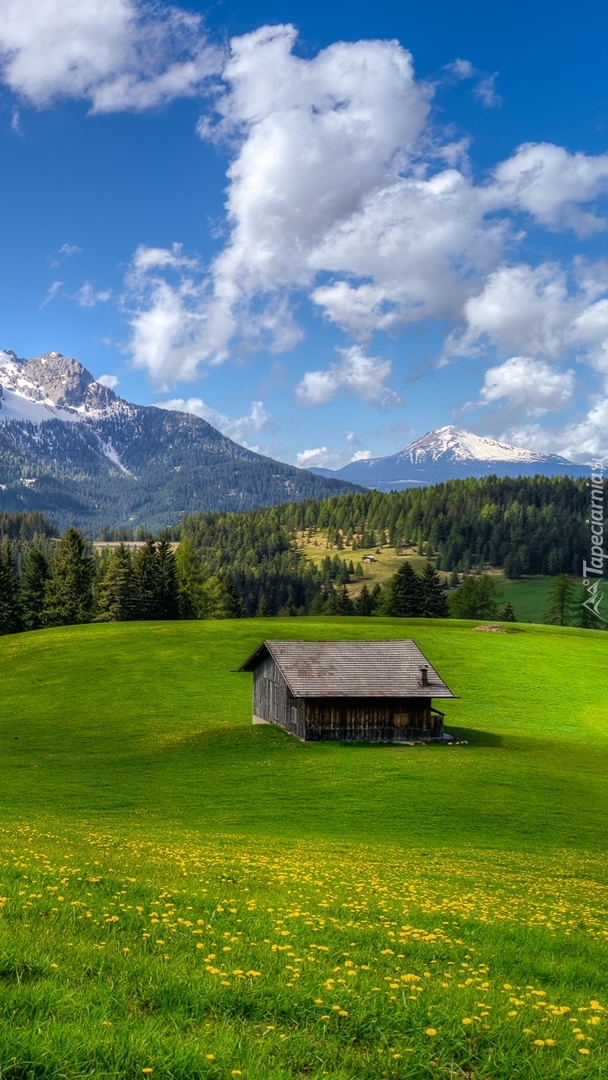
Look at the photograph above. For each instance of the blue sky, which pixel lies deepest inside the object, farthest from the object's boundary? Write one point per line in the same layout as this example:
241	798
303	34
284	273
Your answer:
325	228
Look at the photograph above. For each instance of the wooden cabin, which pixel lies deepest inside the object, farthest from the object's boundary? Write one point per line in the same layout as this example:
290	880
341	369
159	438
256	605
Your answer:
350	691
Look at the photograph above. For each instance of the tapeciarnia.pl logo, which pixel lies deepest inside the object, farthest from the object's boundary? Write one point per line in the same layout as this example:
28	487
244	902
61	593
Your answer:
596	522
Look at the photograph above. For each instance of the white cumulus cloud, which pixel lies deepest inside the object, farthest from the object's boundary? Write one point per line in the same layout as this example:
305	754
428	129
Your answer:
358	374
238	429
549	183
117	54
338	189
110	381
532	385
580	440
543	311
320	458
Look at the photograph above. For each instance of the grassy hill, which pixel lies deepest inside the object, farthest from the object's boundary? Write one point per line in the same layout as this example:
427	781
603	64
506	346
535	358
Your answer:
185	895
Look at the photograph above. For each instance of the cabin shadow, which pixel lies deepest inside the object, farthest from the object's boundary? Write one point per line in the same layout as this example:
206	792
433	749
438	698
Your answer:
475	736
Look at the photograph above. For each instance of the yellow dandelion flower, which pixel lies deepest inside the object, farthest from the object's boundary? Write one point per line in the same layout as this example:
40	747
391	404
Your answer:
538	1042
512	1013
210	1057
550	1042
467	1020
430	1031
583	1050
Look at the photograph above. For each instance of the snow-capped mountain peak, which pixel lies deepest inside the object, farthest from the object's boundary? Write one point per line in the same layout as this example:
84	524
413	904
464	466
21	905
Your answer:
51	386
457	444
452	453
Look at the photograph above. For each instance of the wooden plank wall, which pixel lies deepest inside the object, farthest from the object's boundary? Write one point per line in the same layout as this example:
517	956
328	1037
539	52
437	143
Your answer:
371	720
273	701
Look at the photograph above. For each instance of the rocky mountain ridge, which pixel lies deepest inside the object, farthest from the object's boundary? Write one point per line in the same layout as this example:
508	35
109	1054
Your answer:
73	449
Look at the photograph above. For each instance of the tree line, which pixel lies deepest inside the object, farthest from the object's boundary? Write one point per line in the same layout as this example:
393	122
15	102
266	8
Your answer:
221	568
524	525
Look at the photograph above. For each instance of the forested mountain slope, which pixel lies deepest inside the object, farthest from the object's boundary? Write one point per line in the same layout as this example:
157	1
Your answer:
73	450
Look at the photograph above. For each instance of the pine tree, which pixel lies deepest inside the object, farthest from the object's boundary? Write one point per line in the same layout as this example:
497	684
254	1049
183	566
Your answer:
344	604
364	603
476	598
288	609
190	578
507	614
9	601
404	593
147	585
32	585
117	596
234	606
262	611
561	602
487	597
434	603
68	593
168	594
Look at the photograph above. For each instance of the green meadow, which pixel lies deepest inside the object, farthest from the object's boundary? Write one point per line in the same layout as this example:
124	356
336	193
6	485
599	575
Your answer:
185	895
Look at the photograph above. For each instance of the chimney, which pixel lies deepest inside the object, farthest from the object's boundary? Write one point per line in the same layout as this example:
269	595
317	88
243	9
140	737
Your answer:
424	675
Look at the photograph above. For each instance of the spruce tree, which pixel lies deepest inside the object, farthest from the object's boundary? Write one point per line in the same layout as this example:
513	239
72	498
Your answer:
561	602
168	593
117	598
434	603
262	612
487	597
190	578
404	593
344	604
9	602
507	614
476	598
147	585
32	586
234	606
364	603
68	593
289	609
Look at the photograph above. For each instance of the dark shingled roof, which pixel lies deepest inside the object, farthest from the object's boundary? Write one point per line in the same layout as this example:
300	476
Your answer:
351	668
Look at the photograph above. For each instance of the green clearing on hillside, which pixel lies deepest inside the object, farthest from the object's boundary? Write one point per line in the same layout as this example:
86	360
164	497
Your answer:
529	596
185	893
